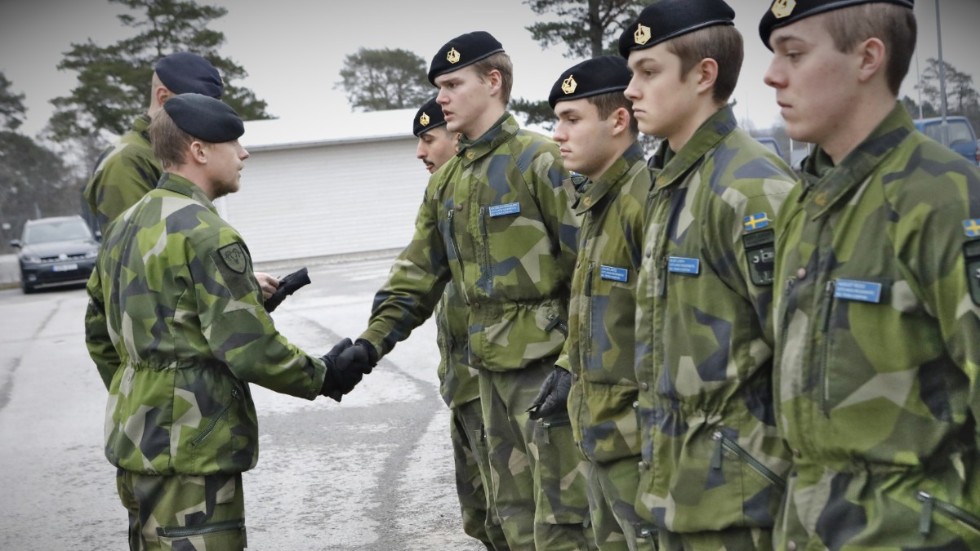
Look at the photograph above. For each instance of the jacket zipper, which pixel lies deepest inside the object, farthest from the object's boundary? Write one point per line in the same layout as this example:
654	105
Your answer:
930	504
451	215
828	301
214	420
723	443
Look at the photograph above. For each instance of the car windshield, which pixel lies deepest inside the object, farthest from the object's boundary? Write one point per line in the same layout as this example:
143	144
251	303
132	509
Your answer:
958	131
61	230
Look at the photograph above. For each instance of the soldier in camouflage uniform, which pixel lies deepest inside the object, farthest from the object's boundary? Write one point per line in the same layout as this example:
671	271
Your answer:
877	306
713	464
177	330
497	222
458	381
128	169
596	134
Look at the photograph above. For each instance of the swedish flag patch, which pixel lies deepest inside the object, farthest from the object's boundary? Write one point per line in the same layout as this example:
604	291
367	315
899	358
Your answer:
971	227
756	221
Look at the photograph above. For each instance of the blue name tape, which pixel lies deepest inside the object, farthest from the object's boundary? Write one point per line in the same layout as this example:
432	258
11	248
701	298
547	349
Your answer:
682	265
863	291
612	273
504	210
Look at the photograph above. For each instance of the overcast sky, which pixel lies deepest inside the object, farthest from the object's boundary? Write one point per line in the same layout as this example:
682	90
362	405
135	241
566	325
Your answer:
293	50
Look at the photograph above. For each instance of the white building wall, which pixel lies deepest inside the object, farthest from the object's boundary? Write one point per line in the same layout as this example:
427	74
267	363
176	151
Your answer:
328	199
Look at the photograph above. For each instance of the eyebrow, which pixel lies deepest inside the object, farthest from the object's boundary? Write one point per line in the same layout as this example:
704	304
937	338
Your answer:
780	40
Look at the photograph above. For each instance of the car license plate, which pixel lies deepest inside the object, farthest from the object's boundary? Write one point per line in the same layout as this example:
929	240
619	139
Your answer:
65	267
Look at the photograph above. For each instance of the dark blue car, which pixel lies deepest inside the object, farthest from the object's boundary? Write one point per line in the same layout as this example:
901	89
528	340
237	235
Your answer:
962	138
54	251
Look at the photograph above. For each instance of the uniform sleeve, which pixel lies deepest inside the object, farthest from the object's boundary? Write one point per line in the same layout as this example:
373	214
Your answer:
118	184
939	264
415	282
97	339
751	236
545	177
239	332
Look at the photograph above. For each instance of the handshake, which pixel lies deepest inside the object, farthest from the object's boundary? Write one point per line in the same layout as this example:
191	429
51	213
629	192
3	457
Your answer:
347	362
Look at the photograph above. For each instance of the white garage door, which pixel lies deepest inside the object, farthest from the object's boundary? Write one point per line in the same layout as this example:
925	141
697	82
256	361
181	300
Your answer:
328	199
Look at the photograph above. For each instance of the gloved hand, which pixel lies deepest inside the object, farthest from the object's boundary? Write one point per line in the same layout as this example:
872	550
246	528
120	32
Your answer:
342	374
288	285
553	396
362	354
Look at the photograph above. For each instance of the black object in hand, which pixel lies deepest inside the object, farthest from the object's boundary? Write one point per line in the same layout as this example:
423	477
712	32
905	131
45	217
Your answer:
553	396
287	286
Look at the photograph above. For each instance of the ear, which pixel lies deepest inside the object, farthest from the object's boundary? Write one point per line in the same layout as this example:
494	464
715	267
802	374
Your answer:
495	80
706	73
872	58
620	121
161	94
199	153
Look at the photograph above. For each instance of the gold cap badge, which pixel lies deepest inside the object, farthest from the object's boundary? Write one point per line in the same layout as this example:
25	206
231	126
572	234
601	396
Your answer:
783	8
424	119
569	85
452	56
642	34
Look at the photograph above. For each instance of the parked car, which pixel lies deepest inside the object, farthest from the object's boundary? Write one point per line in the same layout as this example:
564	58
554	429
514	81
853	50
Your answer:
53	251
962	137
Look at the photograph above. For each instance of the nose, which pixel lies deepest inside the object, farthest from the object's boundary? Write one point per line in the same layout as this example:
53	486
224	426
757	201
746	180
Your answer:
559	134
243	153
631	92
420	150
442	98
773	76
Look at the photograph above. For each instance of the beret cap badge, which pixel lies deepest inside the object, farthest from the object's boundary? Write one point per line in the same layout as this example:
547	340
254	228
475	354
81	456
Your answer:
452	56
424	119
783	8
642	34
569	85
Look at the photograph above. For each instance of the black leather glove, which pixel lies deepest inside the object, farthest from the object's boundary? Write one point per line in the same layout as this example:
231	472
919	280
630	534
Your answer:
342	375
362	354
553	396
288	285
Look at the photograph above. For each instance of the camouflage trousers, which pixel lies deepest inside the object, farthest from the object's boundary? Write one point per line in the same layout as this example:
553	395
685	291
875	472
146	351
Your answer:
473	476
183	512
538	476
733	539
612	494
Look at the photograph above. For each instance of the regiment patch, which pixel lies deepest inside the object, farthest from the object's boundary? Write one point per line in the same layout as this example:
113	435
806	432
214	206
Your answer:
569	85
971	227
642	34
452	56
783	8
755	221
234	257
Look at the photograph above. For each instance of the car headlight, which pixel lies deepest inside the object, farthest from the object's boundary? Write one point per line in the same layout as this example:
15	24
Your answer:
92	254
32	259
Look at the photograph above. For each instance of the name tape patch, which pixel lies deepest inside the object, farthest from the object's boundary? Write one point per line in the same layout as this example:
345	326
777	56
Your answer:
505	209
863	291
682	265
612	273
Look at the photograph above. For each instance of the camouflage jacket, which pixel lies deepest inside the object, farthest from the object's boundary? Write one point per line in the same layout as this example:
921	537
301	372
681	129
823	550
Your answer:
176	327
878	347
496	220
601	338
458	381
125	172
711	457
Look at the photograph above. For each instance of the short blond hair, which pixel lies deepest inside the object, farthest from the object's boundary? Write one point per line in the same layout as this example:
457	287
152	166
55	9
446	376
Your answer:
894	25
500	62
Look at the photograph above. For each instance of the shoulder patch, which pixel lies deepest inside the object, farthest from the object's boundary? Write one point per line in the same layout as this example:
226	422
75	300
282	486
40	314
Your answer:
971	257
234	257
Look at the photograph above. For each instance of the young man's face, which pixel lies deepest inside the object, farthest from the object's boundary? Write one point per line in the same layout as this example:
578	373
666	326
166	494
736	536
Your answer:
224	167
583	137
463	96
663	103
815	83
436	147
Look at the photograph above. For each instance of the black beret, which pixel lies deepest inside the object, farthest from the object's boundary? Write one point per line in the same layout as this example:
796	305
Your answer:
784	12
668	19
205	118
428	117
599	75
461	51
184	72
